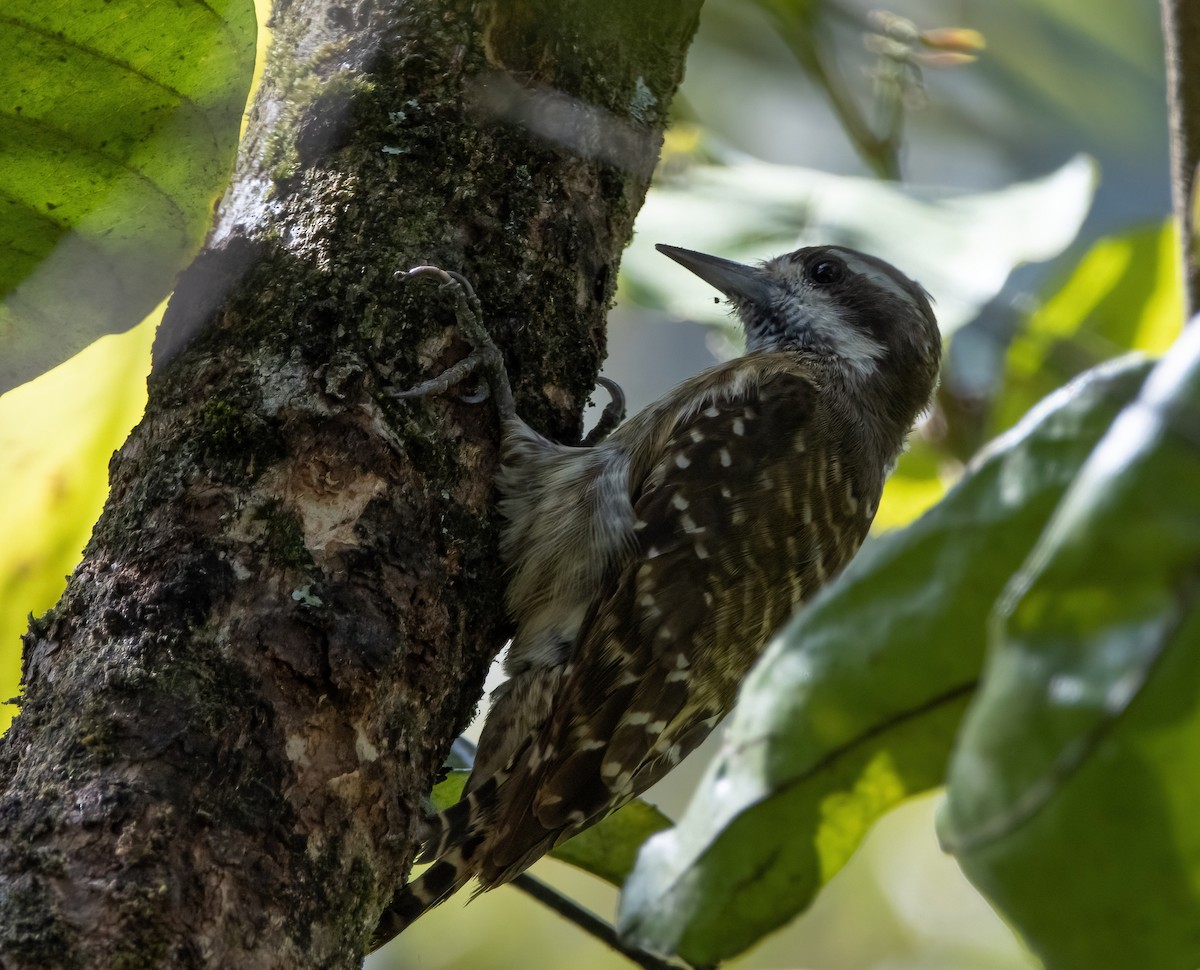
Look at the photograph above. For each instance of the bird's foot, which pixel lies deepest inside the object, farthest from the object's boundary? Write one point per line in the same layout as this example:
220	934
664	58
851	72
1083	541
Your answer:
485	358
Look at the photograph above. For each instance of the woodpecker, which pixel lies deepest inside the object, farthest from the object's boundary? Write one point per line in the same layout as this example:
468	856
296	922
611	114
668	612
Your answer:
647	573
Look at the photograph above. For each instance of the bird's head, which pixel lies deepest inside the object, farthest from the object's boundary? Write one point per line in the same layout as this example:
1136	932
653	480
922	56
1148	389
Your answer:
857	313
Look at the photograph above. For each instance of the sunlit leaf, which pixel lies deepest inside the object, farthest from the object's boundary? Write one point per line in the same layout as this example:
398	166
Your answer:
856	704
119	130
1123	295
919	480
56	435
1073	793
449	790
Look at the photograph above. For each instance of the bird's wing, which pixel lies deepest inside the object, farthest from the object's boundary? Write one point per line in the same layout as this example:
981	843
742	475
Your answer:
733	511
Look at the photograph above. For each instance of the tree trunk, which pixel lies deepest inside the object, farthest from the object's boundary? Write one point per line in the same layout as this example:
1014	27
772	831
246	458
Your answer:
287	609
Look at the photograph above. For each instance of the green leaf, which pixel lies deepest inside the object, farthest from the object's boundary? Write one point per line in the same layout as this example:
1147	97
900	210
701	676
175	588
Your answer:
1073	793
608	849
1124	294
449	790
961	247
119	130
855	706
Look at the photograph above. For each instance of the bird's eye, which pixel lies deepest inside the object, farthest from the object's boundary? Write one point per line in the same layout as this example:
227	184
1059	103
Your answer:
826	271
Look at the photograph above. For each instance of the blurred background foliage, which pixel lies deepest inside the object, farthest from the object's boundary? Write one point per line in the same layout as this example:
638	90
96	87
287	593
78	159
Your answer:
1042	264
119	135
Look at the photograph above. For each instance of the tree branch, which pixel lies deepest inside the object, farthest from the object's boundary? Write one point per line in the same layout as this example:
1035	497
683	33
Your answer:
1181	35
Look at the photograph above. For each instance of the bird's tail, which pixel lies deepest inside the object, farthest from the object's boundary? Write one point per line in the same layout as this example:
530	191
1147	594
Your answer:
450	841
437	884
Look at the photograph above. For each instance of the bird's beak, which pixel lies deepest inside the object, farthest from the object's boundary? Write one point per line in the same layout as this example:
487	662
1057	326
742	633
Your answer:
736	280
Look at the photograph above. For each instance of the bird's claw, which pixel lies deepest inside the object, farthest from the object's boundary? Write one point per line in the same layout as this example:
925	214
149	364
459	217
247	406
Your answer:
485	357
477	396
444	381
612	415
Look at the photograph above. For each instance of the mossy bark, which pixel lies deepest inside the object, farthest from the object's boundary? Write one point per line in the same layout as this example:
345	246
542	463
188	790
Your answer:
288	607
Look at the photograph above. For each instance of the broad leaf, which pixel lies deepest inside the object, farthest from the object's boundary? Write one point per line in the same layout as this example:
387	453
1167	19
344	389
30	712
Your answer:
855	706
1073	794
119	131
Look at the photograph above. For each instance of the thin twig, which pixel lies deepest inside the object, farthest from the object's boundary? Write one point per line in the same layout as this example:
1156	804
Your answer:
1181	31
881	155
589	922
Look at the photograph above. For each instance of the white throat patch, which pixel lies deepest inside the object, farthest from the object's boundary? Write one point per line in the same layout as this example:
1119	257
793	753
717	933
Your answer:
833	335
